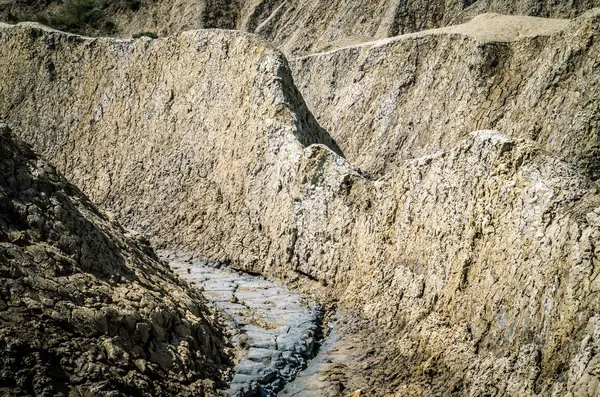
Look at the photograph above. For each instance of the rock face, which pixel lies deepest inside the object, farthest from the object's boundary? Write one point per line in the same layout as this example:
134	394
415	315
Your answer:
85	307
302	27
404	97
478	255
476	259
186	128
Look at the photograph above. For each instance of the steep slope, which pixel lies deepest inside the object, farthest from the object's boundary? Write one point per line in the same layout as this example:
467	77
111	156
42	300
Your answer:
302	27
403	97
126	17
178	136
173	16
478	265
85	307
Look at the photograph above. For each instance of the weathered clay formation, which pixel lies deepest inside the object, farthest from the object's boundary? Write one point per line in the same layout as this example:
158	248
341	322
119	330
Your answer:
448	206
297	27
404	97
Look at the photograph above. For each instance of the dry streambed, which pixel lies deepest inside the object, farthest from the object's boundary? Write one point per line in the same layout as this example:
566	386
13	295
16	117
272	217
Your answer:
274	330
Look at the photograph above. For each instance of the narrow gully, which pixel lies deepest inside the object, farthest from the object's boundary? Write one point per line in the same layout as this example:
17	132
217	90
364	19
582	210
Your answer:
274	331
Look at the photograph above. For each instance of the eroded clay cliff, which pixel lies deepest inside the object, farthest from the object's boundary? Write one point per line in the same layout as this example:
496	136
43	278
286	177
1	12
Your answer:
475	260
407	96
86	308
480	261
198	128
302	27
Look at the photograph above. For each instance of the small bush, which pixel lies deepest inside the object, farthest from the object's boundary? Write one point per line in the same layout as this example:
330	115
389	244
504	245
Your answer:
110	27
145	34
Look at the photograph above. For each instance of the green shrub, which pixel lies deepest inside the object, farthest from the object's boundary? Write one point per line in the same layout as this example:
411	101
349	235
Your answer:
110	27
145	34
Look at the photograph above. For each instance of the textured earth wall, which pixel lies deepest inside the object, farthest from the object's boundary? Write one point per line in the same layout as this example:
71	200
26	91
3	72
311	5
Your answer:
481	259
477	263
302	27
86	308
180	136
403	97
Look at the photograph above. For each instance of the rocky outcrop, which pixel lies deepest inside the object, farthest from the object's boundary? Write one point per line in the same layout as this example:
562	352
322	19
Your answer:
404	97
482	258
475	260
86	308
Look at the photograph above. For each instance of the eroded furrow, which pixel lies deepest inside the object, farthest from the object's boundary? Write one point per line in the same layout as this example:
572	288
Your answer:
273	329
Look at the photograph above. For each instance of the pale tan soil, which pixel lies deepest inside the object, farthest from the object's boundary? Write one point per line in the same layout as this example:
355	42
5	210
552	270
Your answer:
468	255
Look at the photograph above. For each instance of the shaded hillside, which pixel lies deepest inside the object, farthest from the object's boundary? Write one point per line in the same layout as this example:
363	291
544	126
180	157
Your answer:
86	308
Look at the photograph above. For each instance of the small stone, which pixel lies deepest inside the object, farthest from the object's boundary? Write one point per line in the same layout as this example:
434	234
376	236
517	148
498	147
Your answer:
141	365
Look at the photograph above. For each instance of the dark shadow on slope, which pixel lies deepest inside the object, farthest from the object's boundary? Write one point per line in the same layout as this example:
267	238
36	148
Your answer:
66	276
